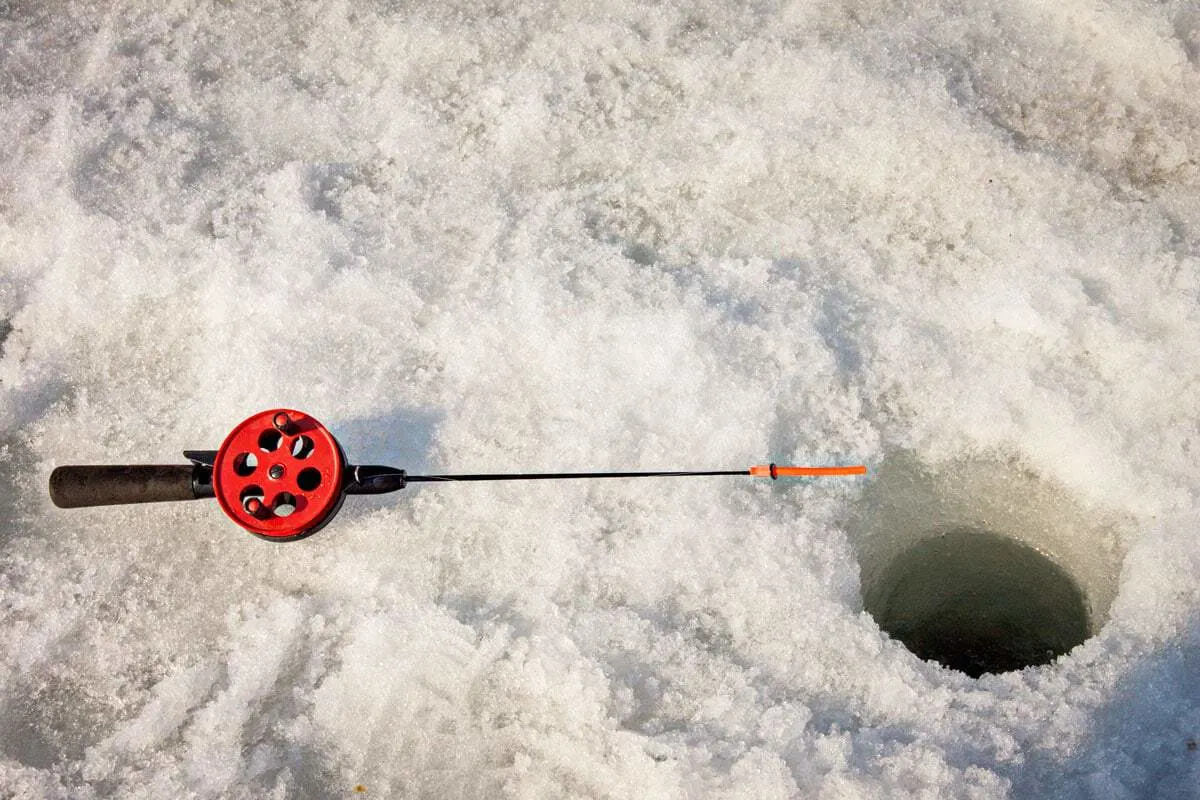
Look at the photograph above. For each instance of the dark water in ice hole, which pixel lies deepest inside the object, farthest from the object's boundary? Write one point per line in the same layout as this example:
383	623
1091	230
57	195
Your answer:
979	602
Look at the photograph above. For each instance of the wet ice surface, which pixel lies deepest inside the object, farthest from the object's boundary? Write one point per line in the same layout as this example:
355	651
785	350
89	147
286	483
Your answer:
594	236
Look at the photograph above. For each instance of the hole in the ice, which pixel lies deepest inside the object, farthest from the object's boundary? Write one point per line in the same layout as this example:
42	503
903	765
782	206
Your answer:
981	564
979	602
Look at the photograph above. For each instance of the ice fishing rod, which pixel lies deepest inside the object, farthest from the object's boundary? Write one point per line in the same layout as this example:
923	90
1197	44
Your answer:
282	476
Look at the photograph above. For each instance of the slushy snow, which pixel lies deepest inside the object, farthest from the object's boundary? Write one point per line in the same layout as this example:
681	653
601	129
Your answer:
498	236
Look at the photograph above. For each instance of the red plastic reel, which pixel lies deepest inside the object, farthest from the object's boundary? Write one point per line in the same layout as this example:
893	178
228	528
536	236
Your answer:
278	474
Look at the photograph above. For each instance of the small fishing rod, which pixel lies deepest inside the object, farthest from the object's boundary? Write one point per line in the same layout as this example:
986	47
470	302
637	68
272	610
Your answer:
282	476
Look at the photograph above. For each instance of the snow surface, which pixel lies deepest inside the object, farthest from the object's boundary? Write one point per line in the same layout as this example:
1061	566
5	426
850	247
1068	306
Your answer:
596	235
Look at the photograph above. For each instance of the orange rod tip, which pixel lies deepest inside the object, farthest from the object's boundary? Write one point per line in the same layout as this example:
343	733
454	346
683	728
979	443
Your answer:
775	471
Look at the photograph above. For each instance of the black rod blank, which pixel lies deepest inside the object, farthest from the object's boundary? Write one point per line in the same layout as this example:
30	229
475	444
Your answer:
555	476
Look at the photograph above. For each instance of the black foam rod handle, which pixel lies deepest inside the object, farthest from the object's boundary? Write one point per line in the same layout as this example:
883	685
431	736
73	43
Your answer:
109	485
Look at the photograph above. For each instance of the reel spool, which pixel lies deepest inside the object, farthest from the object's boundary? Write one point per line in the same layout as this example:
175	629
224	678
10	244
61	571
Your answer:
279	475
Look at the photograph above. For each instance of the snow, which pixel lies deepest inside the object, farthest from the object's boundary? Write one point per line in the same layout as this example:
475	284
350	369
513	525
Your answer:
956	243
